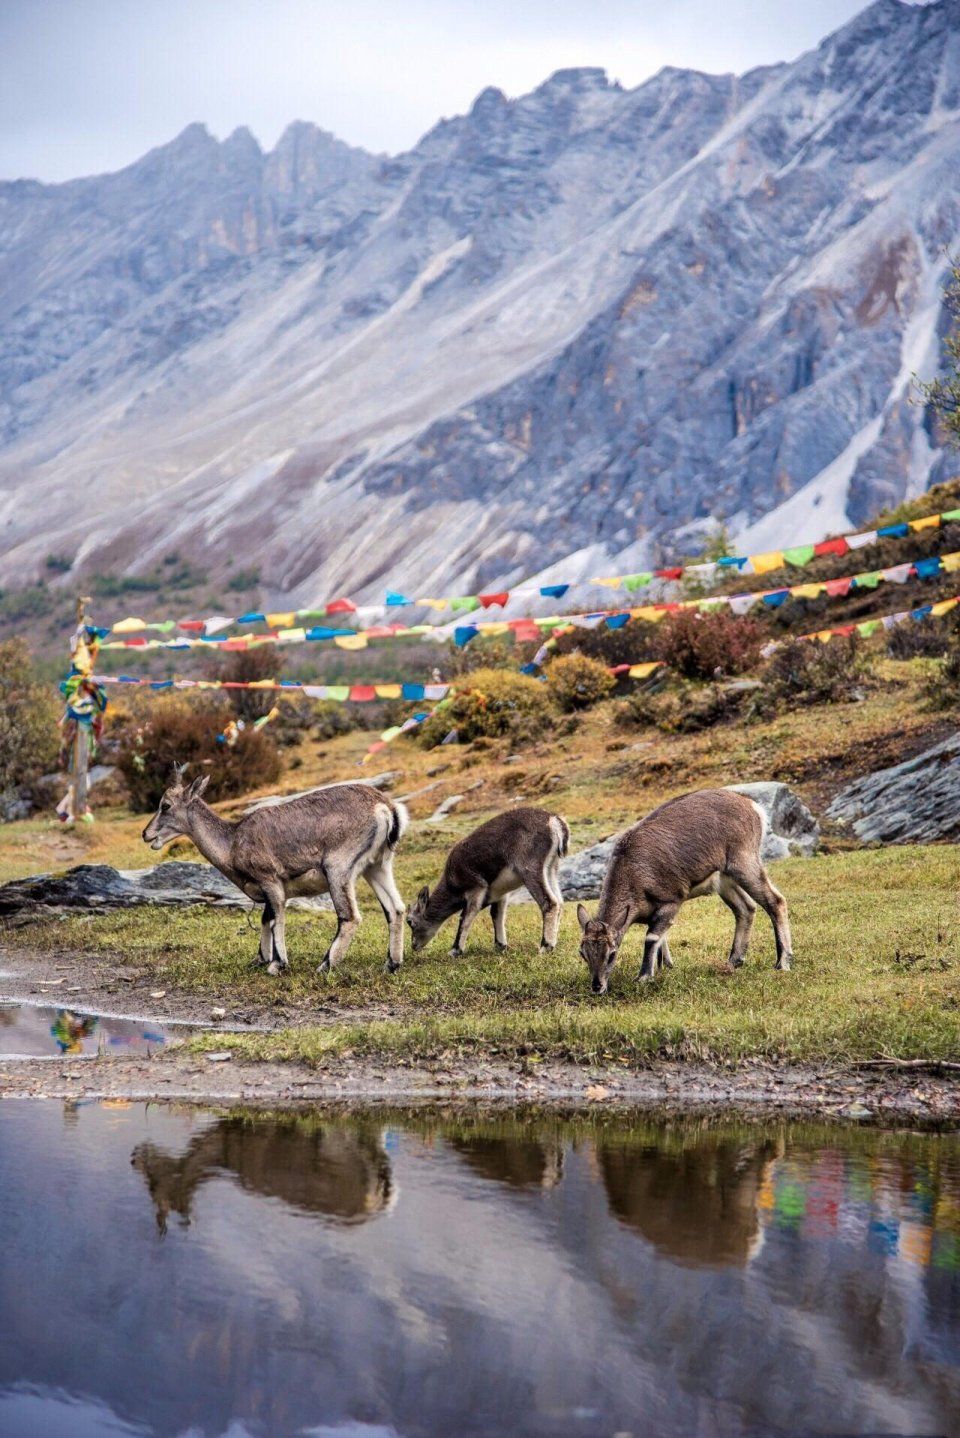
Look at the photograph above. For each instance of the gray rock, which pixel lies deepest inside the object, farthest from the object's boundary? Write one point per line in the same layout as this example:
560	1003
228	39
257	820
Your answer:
666	355
98	886
792	830
910	803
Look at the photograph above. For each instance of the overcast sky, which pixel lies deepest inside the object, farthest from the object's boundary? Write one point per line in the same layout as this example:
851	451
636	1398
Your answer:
89	85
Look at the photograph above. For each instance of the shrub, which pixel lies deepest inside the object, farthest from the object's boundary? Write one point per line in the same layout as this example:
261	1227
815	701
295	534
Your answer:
185	732
942	689
493	703
575	681
626	645
331	719
244	579
492	651
29	738
708	646
805	671
918	641
248	667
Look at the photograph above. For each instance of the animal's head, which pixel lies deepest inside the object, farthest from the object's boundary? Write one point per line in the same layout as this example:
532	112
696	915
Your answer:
598	949
172	817
422	929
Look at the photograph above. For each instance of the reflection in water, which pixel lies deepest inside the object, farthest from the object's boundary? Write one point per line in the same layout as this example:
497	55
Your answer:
693	1196
41	1031
525	1276
519	1163
68	1030
340	1172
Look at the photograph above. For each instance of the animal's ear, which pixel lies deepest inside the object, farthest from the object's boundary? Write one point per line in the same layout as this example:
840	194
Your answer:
423	896
178	772
198	786
583	918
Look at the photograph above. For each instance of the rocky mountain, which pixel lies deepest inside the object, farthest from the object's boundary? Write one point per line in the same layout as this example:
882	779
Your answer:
590	320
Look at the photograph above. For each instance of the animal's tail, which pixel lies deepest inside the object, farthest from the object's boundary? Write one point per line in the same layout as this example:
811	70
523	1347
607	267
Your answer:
399	821
561	831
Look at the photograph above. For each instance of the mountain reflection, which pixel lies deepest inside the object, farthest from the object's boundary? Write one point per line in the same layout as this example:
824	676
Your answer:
339	1172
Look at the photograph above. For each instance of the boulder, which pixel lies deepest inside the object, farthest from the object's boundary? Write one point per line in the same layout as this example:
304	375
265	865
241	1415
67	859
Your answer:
910	803
98	886
792	830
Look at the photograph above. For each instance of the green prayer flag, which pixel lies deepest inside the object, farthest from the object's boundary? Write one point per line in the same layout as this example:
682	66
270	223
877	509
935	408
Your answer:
950	514
636	581
868	627
801	554
465	603
339	691
868	581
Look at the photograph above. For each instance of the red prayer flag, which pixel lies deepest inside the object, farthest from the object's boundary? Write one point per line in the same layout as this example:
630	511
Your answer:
674	573
524	630
838	588
193	626
832	546
489	600
342	606
362	692
234	646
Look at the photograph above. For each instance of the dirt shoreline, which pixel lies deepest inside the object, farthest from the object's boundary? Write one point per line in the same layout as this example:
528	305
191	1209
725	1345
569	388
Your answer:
749	1089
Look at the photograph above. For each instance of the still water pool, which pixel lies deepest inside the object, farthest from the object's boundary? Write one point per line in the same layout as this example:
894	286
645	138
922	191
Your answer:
171	1271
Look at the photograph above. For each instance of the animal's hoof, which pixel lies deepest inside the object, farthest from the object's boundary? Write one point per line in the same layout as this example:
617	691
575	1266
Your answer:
324	966
456	953
785	962
392	967
546	948
645	977
275	967
736	963
500	948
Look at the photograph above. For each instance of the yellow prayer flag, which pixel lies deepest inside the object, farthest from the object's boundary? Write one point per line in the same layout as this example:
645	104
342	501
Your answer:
494	626
351	641
611	582
806	591
943	606
388	691
929	521
262	683
281	621
129	626
432	603
640	671
950	562
649	613
764	563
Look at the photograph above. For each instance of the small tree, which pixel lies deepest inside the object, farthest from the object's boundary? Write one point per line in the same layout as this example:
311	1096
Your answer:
29	738
943	395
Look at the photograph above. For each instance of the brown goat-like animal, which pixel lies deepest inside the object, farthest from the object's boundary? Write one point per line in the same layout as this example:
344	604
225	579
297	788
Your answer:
319	843
521	847
703	843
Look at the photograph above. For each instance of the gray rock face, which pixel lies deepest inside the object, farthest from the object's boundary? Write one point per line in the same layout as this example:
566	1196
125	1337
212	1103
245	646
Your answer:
910	803
574	322
98	886
792	830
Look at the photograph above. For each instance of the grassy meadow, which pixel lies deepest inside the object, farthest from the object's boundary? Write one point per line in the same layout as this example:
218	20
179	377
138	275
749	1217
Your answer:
877	970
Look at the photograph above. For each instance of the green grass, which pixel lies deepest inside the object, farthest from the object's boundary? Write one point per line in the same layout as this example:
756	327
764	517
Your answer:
877	973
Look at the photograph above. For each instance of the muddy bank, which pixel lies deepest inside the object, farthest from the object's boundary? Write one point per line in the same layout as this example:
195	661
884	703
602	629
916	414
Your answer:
91	983
751	1090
